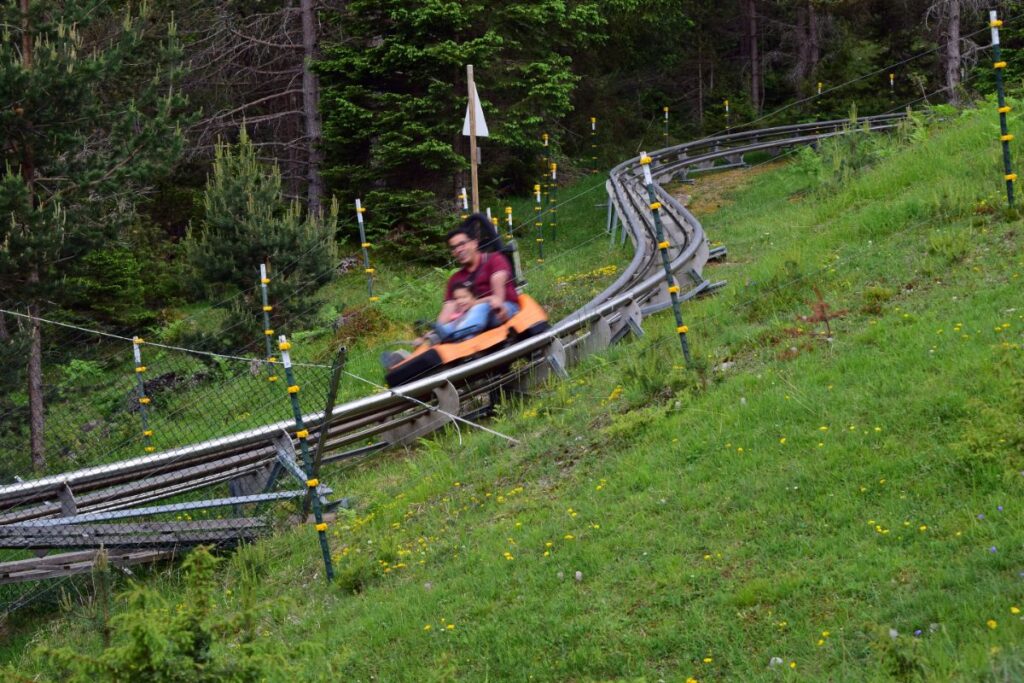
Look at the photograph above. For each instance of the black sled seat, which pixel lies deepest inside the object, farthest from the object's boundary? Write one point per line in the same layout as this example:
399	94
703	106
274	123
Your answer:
425	360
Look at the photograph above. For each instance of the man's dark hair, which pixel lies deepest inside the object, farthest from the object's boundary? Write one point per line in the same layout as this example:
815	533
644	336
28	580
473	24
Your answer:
464	228
480	228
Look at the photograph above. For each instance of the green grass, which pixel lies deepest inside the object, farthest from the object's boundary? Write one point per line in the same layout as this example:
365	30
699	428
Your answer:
863	486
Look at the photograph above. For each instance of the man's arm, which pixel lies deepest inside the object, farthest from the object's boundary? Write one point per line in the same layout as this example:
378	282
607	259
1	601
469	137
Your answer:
499	279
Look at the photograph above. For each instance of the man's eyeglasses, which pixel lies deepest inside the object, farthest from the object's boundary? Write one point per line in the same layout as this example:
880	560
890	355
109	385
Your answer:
458	245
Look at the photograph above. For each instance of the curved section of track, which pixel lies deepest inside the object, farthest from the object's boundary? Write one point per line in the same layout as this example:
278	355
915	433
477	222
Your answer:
116	490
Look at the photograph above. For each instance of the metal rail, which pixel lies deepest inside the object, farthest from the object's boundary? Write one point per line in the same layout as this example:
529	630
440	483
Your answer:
390	416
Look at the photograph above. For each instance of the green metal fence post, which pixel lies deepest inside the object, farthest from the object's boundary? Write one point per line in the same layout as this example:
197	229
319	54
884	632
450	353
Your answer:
360	210
508	222
307	461
1008	175
545	186
593	143
268	332
553	202
663	246
538	223
144	401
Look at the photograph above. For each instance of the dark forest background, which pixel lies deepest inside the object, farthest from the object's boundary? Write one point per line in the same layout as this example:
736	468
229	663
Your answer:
152	152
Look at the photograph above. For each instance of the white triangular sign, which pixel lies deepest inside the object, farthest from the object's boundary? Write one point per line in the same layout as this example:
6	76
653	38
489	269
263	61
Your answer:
481	124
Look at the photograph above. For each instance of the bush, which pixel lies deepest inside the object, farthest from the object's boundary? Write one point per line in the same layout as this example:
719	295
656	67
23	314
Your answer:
248	223
153	642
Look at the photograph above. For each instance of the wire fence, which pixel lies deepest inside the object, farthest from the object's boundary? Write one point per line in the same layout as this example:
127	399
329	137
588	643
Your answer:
146	407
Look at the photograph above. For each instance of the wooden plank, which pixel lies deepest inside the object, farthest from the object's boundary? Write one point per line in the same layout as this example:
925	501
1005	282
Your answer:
14	530
165	541
69	564
137	535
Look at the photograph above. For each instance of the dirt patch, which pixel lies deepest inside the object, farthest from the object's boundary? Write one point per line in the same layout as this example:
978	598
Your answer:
711	191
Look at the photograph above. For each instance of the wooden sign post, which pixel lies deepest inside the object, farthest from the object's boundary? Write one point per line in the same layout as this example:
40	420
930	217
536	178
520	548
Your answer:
475	126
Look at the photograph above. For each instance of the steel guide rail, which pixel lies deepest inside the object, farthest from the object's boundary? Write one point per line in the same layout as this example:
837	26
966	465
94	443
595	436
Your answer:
137	481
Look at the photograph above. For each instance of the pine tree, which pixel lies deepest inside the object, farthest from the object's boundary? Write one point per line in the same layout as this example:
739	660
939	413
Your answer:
395	94
247	222
89	116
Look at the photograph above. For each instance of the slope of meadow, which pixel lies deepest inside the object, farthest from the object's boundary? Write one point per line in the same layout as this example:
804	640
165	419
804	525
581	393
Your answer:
802	504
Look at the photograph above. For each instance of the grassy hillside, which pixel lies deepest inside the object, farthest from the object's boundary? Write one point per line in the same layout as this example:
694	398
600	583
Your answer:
796	507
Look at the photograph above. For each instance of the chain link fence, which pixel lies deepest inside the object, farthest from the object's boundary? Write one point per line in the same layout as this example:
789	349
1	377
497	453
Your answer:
137	462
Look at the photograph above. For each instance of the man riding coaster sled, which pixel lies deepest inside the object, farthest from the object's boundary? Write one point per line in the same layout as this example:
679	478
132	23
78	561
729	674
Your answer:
481	310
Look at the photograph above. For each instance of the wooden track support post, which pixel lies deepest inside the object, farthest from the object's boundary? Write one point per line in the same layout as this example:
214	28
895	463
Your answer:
302	434
663	246
999	65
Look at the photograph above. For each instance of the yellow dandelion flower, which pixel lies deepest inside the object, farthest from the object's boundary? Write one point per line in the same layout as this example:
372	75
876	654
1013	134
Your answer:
992	624
1015	610
923	528
450	627
708	660
568	537
782	440
427	627
792	665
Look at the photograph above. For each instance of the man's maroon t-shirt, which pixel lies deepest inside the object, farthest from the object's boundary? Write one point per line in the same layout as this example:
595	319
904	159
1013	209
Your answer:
490	263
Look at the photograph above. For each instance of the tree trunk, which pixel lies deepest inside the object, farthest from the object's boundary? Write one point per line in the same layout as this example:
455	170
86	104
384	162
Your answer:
311	108
750	37
36	407
952	55
813	38
808	44
35	347
5	336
